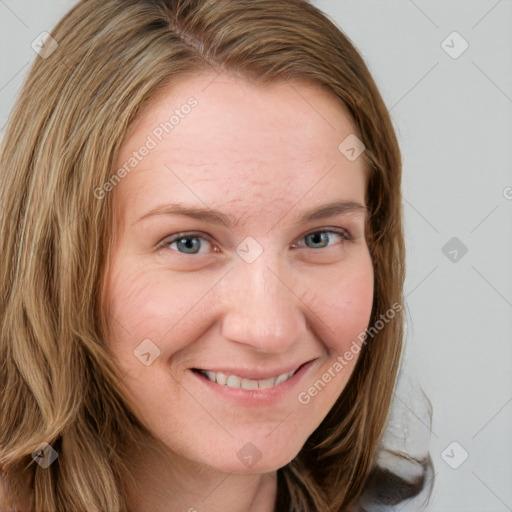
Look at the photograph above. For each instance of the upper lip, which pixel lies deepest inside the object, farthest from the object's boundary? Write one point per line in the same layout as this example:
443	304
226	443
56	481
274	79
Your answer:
253	373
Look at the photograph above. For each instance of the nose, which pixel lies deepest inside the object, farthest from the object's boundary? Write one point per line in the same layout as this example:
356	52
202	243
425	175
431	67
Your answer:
262	306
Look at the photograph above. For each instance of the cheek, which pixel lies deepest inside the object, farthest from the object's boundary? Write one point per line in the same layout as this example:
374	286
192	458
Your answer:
144	303
345	304
343	307
136	312
129	302
147	303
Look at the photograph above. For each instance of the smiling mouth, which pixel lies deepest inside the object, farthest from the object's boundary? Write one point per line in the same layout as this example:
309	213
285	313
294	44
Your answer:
236	382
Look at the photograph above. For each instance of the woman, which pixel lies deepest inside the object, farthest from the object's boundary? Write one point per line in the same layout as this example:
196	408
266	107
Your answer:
251	370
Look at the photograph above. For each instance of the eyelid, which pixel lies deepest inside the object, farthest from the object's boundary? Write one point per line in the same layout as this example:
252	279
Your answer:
331	229
198	234
344	233
182	234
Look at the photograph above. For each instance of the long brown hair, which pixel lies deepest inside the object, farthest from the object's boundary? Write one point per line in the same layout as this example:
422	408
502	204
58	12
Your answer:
57	382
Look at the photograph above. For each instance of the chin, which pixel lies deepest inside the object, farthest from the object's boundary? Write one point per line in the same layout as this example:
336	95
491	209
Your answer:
256	466
252	458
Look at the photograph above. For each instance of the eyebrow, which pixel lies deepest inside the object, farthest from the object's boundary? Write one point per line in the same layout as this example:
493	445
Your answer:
216	217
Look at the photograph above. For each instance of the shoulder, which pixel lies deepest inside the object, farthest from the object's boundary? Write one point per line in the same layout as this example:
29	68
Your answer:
403	476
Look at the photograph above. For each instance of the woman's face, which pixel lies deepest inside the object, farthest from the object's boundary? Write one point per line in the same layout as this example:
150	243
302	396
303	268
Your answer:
244	286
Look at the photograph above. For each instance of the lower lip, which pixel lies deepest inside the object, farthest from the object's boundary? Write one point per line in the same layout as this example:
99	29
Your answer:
250	397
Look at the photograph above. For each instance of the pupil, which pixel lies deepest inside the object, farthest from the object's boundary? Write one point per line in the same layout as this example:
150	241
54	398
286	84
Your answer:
189	243
317	237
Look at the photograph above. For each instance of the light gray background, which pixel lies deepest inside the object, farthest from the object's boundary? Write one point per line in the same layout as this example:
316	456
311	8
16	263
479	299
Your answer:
453	117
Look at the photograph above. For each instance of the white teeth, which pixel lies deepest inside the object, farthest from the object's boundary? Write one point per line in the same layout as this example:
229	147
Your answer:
249	384
281	378
266	383
233	381
220	378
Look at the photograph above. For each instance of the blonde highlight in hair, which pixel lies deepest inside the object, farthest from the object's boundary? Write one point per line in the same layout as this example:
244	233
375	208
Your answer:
58	382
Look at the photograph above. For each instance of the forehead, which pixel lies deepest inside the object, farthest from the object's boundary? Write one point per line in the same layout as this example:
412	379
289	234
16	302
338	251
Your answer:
241	144
227	105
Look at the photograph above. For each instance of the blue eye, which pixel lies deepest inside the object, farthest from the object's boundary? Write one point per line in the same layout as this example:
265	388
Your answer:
188	243
323	235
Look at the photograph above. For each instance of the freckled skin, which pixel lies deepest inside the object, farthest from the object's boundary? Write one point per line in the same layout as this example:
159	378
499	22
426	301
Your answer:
262	155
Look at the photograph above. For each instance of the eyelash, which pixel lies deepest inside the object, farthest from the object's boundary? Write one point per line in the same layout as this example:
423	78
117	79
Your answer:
192	234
